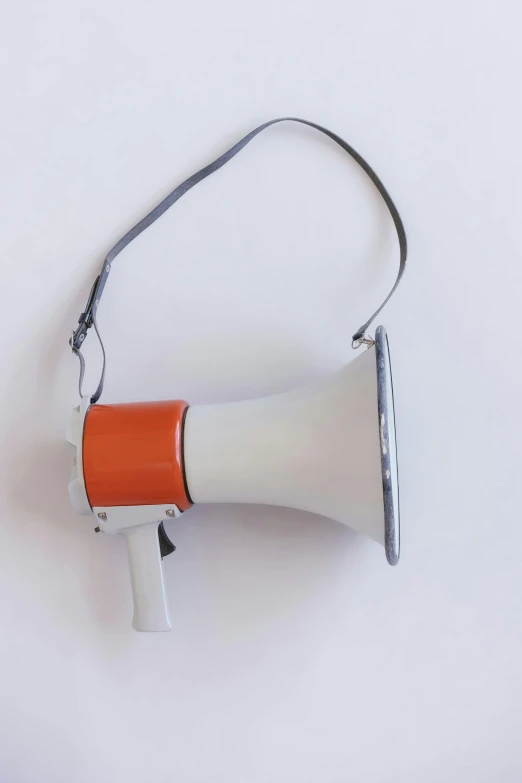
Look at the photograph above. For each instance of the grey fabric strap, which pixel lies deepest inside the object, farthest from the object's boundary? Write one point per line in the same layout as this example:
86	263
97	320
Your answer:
88	317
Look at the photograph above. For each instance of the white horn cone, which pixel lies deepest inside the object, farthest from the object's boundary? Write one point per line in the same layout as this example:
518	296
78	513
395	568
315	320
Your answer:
328	448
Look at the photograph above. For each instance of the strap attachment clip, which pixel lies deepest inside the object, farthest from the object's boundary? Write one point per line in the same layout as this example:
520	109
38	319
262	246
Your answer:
85	321
362	340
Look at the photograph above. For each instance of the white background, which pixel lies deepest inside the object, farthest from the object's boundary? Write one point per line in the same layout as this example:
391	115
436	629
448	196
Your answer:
297	654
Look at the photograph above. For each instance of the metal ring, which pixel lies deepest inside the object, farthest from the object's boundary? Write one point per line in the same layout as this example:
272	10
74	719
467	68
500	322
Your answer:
364	340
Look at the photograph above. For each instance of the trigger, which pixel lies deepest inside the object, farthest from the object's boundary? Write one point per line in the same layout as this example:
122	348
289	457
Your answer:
166	545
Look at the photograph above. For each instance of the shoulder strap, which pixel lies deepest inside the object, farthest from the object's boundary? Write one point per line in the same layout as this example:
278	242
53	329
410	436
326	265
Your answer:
88	317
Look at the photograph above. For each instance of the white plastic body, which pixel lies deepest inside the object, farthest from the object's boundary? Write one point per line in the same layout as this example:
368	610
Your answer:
74	434
139	525
151	610
316	448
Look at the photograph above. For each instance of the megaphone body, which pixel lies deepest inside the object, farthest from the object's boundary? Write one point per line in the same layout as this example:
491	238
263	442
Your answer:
328	448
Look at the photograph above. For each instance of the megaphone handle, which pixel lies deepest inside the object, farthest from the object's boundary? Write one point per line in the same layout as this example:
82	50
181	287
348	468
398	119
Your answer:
151	612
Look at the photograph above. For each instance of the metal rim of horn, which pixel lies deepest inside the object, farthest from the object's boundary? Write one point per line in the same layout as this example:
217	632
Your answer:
388	442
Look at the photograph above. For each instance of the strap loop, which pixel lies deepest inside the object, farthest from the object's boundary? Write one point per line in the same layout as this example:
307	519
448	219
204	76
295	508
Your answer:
88	317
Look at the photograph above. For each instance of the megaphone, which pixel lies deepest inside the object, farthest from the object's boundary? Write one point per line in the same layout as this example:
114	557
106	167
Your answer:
327	448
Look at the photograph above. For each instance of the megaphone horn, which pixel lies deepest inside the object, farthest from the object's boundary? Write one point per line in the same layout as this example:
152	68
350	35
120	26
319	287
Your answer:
327	448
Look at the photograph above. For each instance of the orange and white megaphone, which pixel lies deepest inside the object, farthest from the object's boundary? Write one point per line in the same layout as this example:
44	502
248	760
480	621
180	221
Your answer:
327	448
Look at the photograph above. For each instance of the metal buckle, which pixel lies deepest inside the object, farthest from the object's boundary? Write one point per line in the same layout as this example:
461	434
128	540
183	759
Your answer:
85	320
364	340
80	337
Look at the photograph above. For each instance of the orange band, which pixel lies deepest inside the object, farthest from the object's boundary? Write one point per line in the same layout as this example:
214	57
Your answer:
133	454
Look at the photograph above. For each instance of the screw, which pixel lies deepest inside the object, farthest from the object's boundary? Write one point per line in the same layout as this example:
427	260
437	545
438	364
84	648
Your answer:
82	338
170	512
102	515
107	269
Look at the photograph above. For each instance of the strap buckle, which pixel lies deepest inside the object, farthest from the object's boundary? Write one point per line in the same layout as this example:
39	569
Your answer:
85	321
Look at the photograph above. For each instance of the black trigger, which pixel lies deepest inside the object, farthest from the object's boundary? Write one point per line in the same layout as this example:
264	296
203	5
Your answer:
166	545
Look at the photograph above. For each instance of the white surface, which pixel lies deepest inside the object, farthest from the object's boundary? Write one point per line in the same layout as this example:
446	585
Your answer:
297	655
315	448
